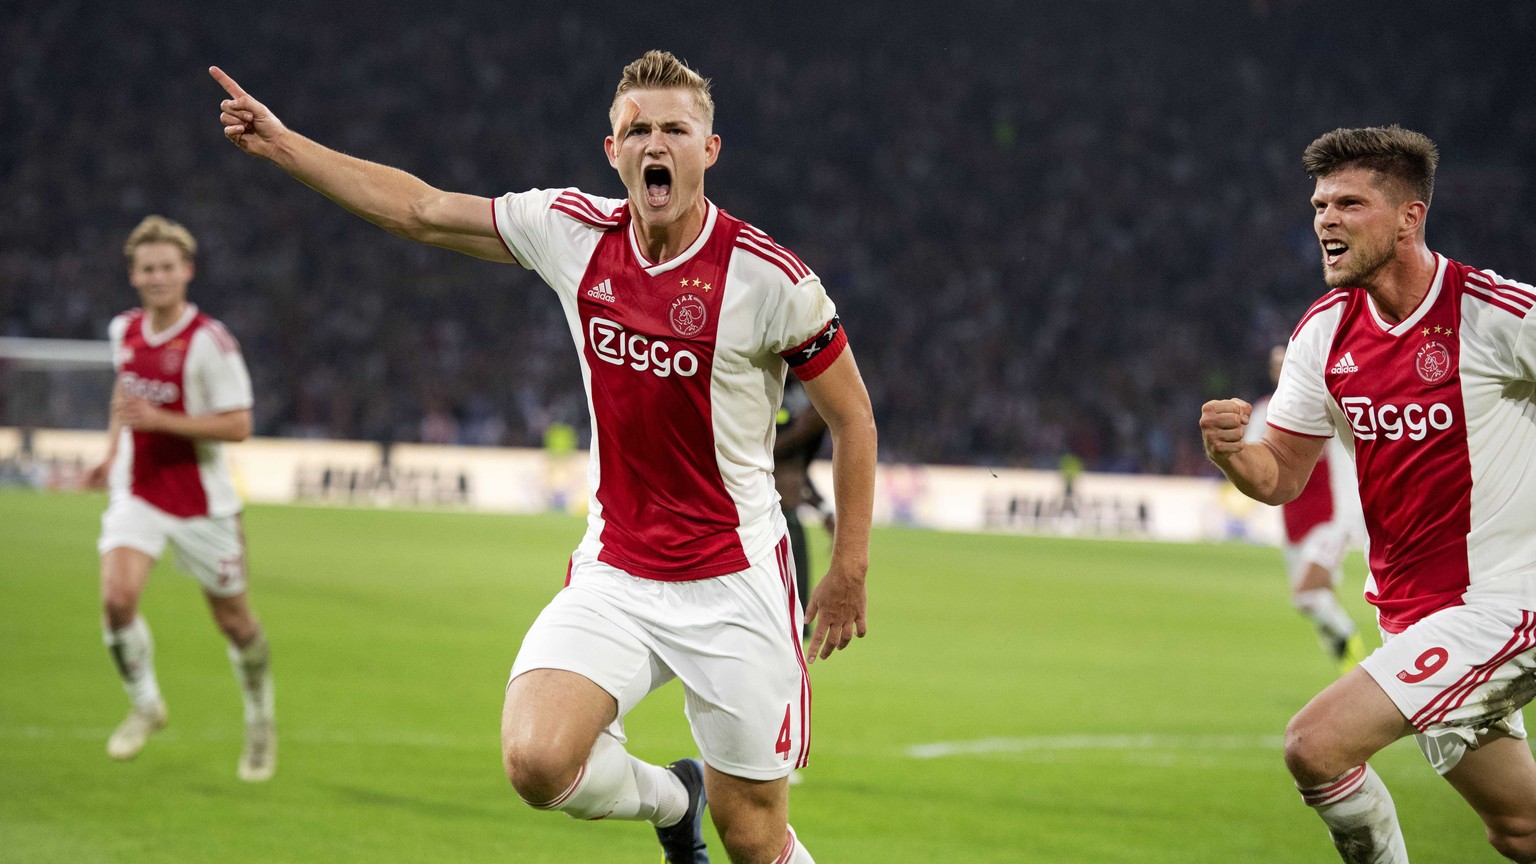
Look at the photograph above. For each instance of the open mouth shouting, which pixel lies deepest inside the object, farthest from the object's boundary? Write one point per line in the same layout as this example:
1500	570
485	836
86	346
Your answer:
1333	251
658	186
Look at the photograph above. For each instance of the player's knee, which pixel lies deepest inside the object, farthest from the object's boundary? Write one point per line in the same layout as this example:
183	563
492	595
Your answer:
120	606
1514	837
1306	759
538	775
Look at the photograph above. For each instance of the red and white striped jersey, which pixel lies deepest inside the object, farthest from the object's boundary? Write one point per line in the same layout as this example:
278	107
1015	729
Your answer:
684	366
194	368
1441	414
1330	494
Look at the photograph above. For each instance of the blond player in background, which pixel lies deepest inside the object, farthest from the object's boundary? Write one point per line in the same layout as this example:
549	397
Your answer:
182	389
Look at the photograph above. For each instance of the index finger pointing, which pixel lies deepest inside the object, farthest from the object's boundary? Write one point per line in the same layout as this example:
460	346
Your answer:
226	82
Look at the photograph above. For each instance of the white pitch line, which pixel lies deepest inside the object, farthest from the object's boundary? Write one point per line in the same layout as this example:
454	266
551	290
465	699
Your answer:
1057	743
234	733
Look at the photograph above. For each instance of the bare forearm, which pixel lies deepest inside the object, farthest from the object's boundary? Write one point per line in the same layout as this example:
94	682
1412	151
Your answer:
1257	472
853	491
228	426
385	196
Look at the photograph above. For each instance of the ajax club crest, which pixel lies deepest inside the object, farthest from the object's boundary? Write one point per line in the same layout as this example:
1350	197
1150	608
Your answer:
1433	362
688	315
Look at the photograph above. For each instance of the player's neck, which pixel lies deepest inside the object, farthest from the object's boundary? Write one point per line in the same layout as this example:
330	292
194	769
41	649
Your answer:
662	243
162	318
1400	286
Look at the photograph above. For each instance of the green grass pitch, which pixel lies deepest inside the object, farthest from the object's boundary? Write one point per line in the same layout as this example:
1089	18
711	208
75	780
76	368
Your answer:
1128	698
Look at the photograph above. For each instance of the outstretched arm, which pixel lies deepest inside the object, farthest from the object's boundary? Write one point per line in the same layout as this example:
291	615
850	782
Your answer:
398	202
838	603
1272	470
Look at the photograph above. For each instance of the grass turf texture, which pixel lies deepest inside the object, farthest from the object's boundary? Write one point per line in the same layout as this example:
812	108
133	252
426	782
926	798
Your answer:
392	635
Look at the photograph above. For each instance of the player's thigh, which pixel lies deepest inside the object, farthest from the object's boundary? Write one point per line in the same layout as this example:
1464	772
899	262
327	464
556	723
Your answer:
583	665
1460	675
550	718
1499	780
133	536
212	551
124	572
1342	727
747	694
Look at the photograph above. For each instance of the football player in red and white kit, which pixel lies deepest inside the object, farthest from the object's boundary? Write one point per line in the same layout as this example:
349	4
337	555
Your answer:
685	320
1426	368
1321	525
182	388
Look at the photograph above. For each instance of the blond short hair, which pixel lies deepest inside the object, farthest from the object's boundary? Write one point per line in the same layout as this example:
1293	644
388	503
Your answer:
659	70
158	229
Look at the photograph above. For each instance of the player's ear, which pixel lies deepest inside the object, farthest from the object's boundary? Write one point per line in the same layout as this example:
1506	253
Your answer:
611	148
711	150
1412	215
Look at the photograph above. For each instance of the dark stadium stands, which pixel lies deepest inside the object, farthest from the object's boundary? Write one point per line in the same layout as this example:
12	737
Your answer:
1047	229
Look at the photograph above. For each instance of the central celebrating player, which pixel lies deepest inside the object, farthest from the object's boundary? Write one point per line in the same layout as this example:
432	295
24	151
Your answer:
1427	369
685	320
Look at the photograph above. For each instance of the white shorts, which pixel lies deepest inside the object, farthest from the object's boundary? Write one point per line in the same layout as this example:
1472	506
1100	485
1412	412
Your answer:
209	548
1460	676
1325	545
734	640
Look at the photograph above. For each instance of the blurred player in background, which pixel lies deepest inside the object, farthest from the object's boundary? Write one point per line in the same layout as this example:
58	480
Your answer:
1427	369
685	321
1321	525
800	434
182	389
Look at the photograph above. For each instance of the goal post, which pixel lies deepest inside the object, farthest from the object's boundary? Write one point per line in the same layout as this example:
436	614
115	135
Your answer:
55	383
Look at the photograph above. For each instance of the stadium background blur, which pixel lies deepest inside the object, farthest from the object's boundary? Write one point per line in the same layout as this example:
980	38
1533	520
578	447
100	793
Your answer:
1049	227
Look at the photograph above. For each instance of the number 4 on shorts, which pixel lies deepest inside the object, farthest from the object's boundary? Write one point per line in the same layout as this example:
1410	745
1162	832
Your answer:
782	746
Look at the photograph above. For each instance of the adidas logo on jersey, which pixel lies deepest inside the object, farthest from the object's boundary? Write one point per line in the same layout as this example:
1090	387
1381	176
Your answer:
602	291
1345	365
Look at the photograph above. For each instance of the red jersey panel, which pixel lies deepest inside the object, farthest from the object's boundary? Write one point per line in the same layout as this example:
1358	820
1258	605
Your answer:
651	347
193	367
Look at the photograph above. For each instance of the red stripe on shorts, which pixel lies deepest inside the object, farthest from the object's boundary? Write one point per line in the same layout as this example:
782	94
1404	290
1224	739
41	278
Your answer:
782	553
1452	697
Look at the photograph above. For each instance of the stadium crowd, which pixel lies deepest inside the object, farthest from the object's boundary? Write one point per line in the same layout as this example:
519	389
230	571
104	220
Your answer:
1047	229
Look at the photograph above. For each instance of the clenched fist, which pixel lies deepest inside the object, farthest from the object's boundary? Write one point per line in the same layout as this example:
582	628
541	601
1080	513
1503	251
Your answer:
1222	425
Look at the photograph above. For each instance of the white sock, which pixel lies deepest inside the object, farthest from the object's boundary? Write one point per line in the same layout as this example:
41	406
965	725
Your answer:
253	671
793	852
1322	606
133	650
1360	817
614	785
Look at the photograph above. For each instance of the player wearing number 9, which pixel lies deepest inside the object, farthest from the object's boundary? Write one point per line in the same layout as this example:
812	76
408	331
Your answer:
1424	368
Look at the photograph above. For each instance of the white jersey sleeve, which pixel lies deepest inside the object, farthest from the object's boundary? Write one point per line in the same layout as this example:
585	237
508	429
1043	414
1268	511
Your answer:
798	315
1301	401
542	228
522	221
115	333
1521	357
216	377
